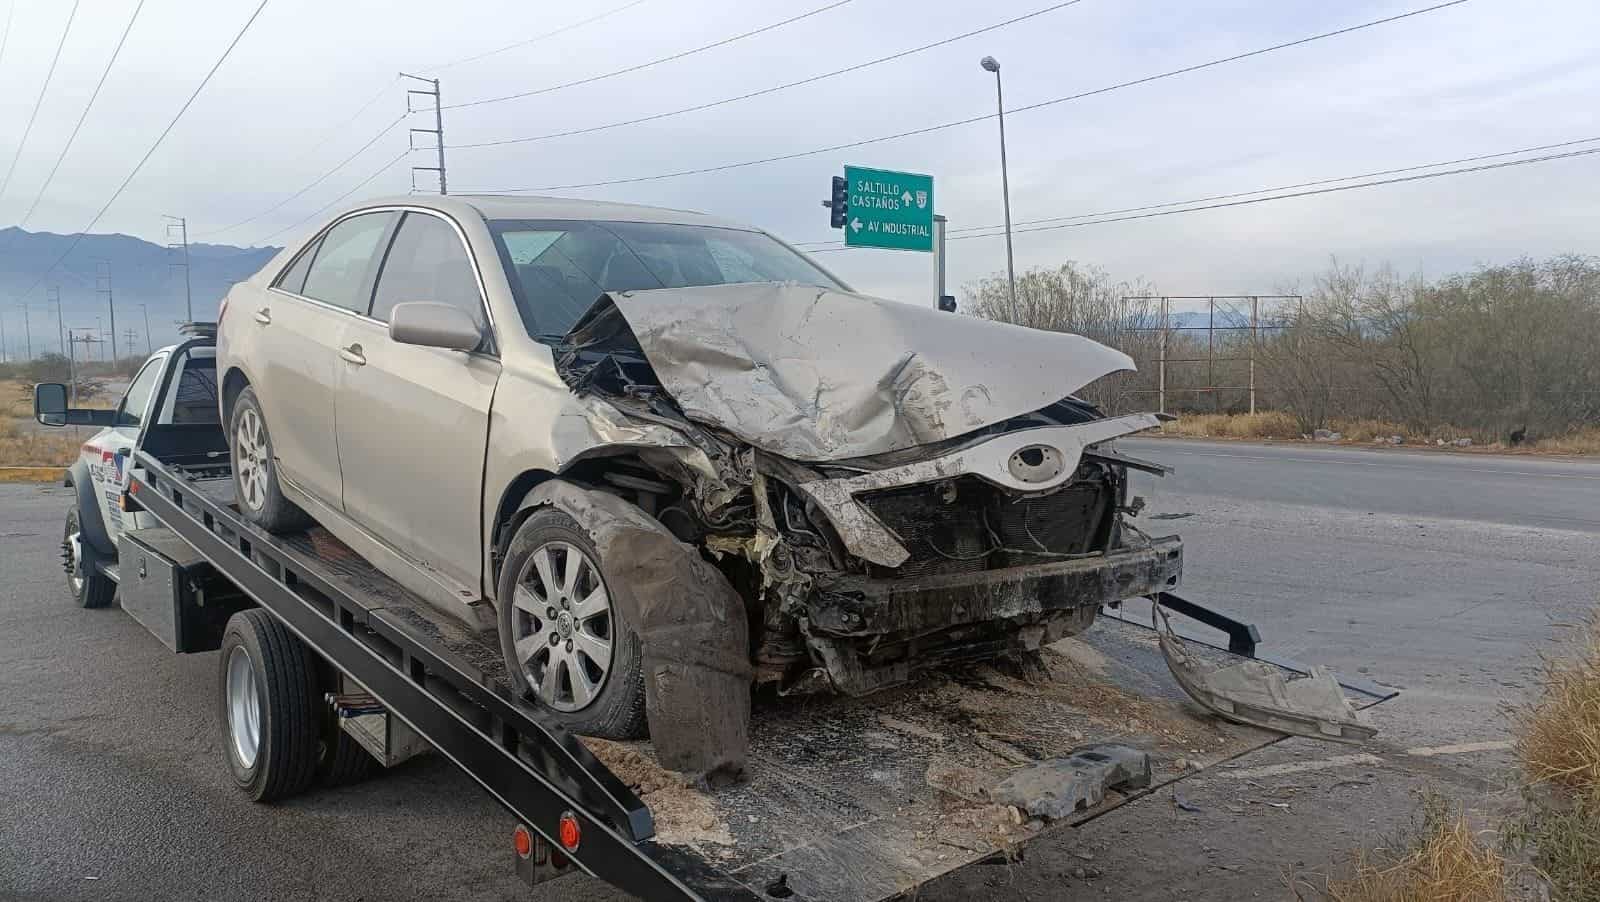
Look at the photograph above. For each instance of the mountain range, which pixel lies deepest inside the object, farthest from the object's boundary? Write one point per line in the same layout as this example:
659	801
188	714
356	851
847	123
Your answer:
144	280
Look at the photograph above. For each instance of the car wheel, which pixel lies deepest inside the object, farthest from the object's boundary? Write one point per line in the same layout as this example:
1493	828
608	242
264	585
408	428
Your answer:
269	707
567	645
89	586
255	471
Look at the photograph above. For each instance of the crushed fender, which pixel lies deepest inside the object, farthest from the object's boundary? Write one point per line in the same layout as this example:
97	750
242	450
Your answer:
1056	788
692	626
1256	693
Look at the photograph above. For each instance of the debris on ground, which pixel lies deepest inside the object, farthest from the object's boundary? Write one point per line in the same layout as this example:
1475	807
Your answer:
1056	788
684	812
1257	694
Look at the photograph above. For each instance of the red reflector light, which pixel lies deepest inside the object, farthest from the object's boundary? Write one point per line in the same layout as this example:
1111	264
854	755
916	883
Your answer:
570	834
523	840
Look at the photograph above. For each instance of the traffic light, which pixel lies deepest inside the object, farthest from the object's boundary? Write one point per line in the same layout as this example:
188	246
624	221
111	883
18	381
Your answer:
840	204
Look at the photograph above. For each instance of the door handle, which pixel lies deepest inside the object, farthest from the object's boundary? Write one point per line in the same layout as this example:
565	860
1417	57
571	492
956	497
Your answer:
264	316
353	355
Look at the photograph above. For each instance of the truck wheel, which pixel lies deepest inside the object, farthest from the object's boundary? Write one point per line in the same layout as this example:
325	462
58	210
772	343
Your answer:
255	471
341	760
269	707
89	586
568	647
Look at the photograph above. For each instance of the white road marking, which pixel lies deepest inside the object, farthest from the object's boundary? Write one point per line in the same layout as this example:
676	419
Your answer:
1390	466
1463	748
1300	767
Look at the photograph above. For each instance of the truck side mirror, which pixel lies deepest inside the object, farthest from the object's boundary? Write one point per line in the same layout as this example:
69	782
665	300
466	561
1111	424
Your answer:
50	408
50	404
947	303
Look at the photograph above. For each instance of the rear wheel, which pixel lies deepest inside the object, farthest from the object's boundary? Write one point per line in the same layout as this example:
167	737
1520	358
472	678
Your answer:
269	712
89	586
255	471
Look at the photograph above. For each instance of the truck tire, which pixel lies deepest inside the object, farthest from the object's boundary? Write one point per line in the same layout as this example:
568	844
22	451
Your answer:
89	586
341	760
255	470
269	706
552	636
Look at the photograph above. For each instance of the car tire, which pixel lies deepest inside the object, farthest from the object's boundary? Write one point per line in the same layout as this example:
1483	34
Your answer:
614	709
256	489
270	724
88	585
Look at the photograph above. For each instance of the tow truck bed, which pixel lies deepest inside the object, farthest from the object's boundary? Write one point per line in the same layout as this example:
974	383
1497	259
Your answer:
845	798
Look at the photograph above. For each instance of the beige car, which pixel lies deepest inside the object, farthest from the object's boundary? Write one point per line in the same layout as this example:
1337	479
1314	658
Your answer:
667	457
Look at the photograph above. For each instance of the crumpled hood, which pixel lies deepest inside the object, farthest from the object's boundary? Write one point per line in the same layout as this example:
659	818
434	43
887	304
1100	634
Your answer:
819	375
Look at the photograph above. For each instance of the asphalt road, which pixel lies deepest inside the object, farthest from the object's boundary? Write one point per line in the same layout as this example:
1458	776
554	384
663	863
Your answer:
1442	574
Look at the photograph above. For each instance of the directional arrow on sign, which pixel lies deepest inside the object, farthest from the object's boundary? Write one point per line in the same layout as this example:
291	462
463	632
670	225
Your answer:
906	197
855	225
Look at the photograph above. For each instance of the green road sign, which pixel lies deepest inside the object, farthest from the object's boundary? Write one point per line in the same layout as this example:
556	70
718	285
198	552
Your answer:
889	209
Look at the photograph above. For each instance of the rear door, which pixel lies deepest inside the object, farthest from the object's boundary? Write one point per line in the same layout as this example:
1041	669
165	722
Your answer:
413	422
296	355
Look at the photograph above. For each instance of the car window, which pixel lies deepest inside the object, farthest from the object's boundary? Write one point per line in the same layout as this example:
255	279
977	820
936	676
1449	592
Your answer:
427	262
195	400
344	259
559	269
136	401
294	278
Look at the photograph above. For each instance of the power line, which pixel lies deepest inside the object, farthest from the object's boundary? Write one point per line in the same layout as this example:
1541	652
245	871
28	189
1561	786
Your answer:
359	185
539	37
656	62
983	118
1215	197
43	89
776	88
1262	200
5	37
83	116
149	153
314	182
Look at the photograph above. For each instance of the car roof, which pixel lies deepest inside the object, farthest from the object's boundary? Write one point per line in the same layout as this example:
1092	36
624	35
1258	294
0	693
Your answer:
503	206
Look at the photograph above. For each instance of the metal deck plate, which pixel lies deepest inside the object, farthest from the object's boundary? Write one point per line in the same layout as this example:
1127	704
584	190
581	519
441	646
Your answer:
862	799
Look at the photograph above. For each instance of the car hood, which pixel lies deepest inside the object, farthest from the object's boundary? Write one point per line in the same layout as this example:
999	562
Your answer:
819	375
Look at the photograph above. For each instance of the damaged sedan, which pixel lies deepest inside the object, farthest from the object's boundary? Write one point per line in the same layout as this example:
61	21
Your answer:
667	457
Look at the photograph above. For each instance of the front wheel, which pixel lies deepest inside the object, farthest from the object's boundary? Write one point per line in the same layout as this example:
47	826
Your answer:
567	645
89	586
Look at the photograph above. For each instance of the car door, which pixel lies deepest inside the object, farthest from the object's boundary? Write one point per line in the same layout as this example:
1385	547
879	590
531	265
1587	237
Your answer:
413	421
106	454
296	356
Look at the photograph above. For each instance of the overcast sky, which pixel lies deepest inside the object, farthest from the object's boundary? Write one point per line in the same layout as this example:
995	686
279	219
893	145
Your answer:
1478	78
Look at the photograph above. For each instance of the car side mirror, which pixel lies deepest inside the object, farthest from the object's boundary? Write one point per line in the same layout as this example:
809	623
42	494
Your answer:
50	404
434	325
50	408
947	303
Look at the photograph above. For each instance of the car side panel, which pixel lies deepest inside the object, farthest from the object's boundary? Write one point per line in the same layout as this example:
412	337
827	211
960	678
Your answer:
292	356
413	424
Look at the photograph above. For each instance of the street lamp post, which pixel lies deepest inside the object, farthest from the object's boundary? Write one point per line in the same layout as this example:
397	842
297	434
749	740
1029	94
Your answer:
991	64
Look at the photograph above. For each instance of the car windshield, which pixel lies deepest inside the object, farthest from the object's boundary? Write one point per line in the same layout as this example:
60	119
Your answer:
558	269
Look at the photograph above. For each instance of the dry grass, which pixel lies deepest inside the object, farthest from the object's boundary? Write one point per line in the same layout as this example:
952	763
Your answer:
26	448
1558	733
1446	861
1281	426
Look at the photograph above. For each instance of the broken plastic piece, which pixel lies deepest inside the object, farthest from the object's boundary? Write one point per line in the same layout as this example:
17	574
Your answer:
1057	787
1257	694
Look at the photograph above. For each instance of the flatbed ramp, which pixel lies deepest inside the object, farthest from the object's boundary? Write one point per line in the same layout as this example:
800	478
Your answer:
843	799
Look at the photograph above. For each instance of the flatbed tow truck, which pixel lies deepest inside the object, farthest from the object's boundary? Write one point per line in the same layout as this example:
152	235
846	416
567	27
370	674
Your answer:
843	798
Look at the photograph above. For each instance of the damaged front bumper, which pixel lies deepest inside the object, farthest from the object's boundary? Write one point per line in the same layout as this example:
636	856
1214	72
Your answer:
953	617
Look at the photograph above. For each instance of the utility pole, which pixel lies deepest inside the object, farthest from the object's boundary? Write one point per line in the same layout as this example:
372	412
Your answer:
27	331
53	293
182	225
3	352
146	310
128	335
102	284
437	131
